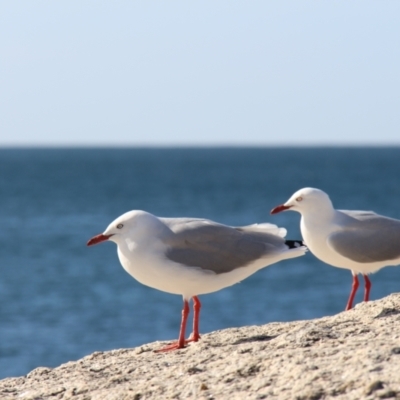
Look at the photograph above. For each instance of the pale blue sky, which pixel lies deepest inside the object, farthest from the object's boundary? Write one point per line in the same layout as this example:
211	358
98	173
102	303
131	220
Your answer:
199	72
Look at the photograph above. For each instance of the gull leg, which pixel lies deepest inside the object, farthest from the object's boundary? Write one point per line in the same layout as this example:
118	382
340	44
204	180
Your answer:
353	292
180	344
195	336
367	287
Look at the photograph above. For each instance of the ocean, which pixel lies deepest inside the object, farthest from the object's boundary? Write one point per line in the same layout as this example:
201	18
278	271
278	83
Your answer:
61	300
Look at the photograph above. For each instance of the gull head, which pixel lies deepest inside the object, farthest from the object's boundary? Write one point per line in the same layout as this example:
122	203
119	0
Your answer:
134	225
304	201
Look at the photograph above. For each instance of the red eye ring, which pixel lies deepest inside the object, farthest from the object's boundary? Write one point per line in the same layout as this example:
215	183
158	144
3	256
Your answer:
299	199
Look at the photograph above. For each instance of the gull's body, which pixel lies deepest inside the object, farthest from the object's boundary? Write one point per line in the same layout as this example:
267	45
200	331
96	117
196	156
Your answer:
361	241
190	257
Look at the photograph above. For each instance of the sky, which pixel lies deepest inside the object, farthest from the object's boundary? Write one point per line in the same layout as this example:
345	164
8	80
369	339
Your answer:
209	73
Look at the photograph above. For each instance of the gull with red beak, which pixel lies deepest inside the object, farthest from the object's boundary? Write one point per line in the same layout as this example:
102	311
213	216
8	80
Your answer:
191	256
361	241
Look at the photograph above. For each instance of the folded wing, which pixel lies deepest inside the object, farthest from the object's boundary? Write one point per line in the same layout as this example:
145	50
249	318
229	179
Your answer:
220	248
367	238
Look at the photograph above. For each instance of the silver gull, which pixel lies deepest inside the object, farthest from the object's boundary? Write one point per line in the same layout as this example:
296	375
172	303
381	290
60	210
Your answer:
191	256
361	241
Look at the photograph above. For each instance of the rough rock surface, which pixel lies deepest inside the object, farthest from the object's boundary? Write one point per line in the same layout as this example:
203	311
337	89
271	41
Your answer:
352	355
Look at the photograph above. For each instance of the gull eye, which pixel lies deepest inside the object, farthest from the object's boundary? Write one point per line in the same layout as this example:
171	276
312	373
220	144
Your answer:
119	226
299	199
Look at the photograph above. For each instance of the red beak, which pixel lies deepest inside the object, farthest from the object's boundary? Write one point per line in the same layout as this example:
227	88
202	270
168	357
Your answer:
280	208
98	239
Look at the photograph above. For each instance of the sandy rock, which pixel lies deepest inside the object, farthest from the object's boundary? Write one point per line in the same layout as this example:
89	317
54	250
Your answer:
352	355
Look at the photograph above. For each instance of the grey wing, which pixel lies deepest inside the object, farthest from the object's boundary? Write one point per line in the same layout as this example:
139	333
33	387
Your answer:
216	247
368	238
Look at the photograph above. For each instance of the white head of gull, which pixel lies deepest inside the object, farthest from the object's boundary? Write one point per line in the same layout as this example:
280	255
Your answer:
191	256
361	241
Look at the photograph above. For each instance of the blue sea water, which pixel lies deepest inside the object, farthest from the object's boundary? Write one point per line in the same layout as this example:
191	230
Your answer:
60	300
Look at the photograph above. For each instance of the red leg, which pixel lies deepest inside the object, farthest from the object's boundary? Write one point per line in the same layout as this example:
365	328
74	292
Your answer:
353	292
180	344
367	287
195	336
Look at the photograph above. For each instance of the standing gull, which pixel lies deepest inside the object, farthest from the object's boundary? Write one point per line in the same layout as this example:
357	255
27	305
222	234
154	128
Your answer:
190	256
361	241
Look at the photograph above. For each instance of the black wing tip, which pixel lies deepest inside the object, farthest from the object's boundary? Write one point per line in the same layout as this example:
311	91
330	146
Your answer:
294	244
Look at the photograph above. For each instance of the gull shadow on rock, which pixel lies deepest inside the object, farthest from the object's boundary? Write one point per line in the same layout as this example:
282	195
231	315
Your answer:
386	312
257	338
